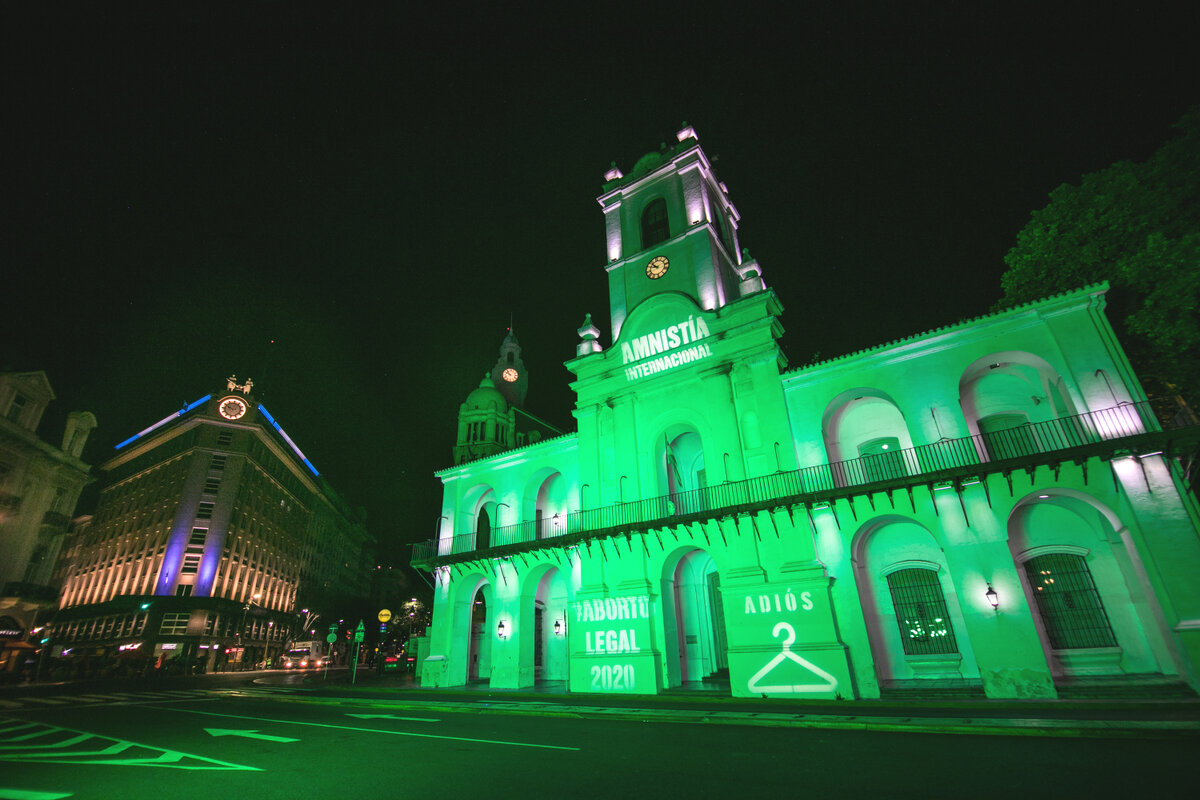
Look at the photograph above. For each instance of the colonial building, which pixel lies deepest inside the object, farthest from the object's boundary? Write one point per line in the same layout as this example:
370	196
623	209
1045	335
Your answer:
212	535
39	487
990	508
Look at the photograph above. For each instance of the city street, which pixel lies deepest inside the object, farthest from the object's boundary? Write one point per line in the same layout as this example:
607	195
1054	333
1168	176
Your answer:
226	736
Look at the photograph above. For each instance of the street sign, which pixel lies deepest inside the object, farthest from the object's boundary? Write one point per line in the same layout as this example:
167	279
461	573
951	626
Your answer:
359	633
331	638
384	615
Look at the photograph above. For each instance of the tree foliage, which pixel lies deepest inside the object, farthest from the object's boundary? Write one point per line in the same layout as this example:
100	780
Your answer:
1136	225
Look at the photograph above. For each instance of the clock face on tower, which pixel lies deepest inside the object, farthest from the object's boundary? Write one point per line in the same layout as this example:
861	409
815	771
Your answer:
657	267
232	408
509	375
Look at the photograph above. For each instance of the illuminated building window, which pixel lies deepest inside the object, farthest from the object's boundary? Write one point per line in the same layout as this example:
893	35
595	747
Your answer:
655	227
921	612
1068	602
174	624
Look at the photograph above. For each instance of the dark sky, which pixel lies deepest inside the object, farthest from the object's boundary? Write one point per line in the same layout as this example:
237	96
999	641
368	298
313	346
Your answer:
379	195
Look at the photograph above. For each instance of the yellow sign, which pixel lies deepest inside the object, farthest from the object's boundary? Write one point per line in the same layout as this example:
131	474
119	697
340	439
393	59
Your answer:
384	615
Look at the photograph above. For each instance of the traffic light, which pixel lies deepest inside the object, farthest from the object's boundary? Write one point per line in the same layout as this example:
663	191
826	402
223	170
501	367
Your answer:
348	634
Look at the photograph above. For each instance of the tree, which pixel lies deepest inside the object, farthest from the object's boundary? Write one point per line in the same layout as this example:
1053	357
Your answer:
1136	225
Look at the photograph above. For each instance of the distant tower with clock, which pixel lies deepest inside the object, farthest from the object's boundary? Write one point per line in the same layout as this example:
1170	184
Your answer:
509	375
493	419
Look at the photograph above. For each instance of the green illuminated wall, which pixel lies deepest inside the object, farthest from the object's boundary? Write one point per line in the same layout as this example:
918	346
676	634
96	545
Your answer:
689	418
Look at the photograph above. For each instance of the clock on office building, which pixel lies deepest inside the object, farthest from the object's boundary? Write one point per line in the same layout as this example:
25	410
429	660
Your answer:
232	408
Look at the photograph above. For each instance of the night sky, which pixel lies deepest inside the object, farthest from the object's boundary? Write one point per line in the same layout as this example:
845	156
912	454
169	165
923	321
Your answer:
379	195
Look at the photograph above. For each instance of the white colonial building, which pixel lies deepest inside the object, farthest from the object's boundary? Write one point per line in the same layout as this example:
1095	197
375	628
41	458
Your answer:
990	508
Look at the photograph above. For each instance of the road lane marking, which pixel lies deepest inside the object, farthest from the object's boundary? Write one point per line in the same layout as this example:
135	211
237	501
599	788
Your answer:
393	716
248	735
103	750
30	794
47	700
372	730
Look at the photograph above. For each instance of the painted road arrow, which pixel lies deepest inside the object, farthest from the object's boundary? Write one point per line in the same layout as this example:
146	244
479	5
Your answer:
249	735
393	716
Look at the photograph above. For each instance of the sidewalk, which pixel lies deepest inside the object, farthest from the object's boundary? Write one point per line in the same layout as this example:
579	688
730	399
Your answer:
1089	718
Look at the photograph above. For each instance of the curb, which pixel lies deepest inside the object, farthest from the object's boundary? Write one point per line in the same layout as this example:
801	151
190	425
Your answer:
982	726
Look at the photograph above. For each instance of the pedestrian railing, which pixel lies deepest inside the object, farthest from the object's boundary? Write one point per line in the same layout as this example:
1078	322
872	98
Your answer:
984	452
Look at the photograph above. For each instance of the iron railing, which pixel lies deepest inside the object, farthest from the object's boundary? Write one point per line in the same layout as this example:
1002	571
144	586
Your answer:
948	458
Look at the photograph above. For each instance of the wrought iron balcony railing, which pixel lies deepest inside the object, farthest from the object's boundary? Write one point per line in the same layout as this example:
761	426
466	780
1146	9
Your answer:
1094	433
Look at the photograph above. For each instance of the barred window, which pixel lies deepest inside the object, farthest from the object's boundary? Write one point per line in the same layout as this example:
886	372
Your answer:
205	511
925	627
212	485
1068	602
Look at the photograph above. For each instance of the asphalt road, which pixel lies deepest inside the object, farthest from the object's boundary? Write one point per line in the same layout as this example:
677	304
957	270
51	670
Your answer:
207	740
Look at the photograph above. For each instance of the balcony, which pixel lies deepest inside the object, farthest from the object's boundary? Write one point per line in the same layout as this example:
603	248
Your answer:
1132	428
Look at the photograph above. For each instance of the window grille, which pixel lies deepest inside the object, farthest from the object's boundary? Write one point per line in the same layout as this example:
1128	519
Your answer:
1068	602
205	511
655	227
921	613
225	438
212	485
218	463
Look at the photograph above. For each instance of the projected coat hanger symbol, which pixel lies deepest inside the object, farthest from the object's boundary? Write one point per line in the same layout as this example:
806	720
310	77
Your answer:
829	682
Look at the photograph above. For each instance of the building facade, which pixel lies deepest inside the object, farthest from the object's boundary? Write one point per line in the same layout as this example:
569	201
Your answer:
991	508
39	488
212	536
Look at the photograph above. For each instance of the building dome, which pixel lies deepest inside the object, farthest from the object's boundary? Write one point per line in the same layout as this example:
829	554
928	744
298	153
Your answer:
486	397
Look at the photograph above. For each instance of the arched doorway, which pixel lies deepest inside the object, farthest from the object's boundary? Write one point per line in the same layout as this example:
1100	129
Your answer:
479	644
695	641
684	472
544	603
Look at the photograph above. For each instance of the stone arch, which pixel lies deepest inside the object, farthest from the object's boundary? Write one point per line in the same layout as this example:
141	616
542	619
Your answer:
909	627
545	503
544	601
479	508
695	645
865	433
1003	393
1081	530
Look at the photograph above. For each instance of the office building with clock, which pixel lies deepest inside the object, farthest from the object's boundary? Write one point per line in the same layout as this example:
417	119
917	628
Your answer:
993	508
212	532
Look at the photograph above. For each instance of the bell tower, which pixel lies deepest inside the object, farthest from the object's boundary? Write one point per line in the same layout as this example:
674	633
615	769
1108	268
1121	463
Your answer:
671	227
